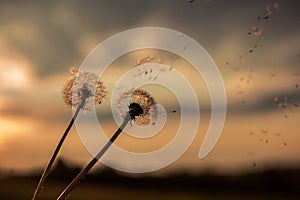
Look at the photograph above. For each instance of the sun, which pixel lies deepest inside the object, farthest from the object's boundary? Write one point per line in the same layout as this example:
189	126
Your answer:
14	74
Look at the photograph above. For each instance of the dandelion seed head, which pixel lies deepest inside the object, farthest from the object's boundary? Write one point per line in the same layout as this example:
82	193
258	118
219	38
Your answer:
83	89
137	99
146	102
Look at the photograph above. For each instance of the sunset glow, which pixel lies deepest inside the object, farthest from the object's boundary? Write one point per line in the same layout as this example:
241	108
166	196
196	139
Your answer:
259	66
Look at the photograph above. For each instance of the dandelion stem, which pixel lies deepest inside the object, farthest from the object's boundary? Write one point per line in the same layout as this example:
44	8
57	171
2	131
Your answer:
40	186
88	167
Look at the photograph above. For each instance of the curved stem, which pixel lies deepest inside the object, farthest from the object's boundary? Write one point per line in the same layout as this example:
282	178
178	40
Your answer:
87	168
40	186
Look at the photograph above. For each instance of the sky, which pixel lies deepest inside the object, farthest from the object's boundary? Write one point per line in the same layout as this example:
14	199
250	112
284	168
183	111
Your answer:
255	45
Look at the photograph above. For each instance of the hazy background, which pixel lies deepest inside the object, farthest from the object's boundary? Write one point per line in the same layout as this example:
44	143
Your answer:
40	40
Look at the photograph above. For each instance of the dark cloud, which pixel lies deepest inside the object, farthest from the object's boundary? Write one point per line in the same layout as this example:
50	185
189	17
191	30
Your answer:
267	104
58	26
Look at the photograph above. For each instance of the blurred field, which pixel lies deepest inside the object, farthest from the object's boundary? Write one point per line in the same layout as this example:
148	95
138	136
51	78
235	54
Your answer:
108	185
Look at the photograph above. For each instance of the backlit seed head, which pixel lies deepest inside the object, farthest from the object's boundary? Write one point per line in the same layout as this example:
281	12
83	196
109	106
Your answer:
83	89
139	104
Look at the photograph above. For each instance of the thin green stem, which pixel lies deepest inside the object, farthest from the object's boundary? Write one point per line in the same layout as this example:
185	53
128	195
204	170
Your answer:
88	167
40	186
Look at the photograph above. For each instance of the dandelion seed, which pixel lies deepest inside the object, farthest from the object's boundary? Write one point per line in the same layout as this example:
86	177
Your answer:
174	56
180	35
268	12
150	73
283	105
242	58
252	133
80	89
251	154
265	131
296	74
274	74
240	92
276	7
279	134
285	102
256	31
144	59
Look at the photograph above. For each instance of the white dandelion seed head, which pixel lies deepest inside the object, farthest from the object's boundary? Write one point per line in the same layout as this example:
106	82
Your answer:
83	89
143	99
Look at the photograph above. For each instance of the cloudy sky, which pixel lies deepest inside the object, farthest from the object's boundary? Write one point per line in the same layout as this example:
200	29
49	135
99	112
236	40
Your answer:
255	44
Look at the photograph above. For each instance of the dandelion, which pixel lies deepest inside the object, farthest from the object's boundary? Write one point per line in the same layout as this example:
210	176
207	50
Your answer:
78	92
81	88
142	98
139	106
